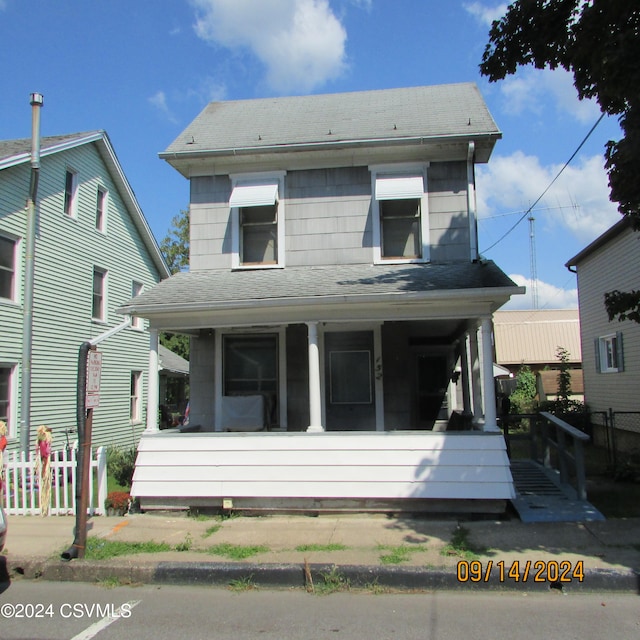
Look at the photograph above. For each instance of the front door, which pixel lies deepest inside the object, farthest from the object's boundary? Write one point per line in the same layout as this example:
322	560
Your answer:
432	384
349	381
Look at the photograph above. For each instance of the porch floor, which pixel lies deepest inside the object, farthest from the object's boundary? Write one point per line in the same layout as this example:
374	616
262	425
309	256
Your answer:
541	498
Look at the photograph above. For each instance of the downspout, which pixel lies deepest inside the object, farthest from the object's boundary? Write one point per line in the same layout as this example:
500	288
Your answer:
83	462
471	202
29	270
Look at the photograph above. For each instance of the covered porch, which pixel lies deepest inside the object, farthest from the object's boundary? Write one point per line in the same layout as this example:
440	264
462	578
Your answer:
381	396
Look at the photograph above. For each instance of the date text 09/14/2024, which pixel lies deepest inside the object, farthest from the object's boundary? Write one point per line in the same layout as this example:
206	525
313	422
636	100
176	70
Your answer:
538	571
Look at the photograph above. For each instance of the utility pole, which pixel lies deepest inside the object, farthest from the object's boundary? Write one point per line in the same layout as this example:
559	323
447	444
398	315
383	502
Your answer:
29	269
533	266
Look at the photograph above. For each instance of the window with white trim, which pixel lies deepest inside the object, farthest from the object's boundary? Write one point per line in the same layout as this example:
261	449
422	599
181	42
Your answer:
8	253
70	193
98	308
257	221
8	394
400	213
135	406
136	290
609	353
101	209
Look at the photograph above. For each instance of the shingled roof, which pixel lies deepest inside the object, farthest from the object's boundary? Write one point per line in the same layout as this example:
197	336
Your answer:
221	288
364	117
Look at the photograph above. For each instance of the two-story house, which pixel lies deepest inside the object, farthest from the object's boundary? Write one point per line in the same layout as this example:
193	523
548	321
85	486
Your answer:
93	251
339	311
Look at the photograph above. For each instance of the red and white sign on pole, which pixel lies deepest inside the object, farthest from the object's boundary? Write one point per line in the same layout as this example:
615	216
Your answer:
94	368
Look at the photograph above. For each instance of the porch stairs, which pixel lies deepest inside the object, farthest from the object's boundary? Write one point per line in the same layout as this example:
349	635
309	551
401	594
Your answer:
540	497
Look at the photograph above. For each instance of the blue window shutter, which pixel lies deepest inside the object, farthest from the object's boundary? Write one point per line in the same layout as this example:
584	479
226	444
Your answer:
596	347
620	351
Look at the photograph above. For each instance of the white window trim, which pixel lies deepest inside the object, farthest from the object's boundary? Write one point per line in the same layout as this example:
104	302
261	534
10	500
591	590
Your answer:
400	169
12	418
257	179
282	370
137	323
105	287
17	261
105	208
73	208
136	410
601	355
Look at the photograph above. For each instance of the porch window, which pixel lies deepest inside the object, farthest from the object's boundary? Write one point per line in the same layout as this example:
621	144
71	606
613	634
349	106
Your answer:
7	267
257	221
350	377
135	413
5	395
400	213
250	365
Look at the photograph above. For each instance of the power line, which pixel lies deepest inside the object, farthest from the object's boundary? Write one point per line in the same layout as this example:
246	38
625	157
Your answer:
566	164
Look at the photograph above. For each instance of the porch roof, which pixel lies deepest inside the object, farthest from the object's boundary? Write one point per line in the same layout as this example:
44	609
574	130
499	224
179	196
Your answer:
222	290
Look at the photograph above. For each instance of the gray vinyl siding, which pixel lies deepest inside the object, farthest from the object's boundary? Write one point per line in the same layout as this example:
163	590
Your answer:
328	217
448	211
67	249
613	266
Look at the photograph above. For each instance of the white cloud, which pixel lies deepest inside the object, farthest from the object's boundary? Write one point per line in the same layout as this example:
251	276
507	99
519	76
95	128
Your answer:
300	42
578	201
486	15
159	101
549	296
531	89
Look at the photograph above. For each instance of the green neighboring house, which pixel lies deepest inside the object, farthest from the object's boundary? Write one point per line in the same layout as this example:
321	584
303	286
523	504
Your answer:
94	251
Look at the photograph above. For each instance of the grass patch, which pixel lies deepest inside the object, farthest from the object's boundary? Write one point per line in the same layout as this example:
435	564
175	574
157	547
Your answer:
236	551
461	546
186	545
242	584
101	549
397	555
334	546
211	530
332	582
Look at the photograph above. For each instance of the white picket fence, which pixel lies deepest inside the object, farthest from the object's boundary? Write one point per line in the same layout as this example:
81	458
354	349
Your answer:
20	486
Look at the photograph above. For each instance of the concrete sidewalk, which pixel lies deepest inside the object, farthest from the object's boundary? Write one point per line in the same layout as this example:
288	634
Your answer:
398	552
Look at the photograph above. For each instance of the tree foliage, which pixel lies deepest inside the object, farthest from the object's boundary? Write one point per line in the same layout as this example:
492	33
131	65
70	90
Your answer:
175	245
598	41
523	399
175	249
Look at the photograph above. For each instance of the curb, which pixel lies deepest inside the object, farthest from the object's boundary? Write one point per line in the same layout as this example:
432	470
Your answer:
297	576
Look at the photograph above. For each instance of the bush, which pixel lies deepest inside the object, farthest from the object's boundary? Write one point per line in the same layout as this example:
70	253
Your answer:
118	501
121	464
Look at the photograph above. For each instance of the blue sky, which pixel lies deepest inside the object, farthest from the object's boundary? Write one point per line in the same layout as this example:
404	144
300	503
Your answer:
143	69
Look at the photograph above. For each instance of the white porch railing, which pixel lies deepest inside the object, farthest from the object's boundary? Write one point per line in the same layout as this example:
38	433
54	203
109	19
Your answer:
20	486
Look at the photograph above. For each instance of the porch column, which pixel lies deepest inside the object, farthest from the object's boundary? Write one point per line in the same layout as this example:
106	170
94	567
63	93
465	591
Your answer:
315	391
474	370
465	371
488	388
153	381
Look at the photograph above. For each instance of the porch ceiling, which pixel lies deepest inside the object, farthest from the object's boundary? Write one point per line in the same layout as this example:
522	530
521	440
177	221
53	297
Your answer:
327	293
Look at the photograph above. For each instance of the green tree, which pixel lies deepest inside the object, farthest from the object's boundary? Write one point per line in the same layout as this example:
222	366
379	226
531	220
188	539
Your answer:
564	379
175	249
523	399
598	41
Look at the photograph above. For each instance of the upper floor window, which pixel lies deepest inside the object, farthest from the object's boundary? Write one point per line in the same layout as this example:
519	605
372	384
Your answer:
8	250
136	290
257	221
70	193
101	209
609	353
400	213
99	294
